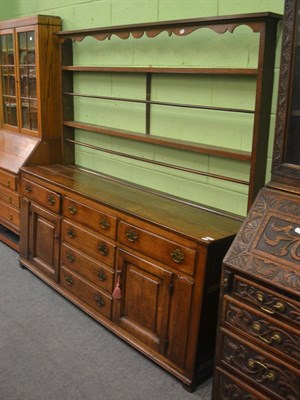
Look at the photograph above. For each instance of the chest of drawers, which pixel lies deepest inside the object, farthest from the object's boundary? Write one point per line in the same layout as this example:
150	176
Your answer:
9	204
90	237
258	344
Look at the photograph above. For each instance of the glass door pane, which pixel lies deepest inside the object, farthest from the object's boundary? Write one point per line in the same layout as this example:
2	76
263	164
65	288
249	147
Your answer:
26	44
8	80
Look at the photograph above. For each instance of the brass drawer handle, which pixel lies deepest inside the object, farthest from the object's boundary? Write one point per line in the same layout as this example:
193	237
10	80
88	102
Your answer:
103	249
101	275
132	235
70	256
177	256
8	183
104	223
72	210
99	300
276	337
71	233
278	306
28	189
51	200
69	280
271	376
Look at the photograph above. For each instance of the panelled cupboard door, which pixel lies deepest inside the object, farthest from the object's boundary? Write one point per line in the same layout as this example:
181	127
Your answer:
43	243
144	307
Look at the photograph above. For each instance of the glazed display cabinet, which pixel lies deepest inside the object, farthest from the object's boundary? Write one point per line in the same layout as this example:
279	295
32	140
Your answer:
29	108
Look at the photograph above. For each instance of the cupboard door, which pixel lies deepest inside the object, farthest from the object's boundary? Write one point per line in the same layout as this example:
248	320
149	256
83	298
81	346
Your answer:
143	309
44	228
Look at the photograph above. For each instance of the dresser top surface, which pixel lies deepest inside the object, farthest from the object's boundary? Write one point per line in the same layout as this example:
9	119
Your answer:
197	223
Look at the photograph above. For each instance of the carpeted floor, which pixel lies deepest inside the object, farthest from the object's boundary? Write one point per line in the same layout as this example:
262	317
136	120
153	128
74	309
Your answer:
50	350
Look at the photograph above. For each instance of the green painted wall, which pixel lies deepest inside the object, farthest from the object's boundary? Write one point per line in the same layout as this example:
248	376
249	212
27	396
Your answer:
204	48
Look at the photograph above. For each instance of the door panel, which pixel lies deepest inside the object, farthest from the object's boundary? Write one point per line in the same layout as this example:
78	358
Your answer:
143	309
44	228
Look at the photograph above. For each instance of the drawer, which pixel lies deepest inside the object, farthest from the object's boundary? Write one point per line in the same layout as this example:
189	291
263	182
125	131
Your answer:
10	197
87	267
10	214
227	388
89	242
100	221
86	292
267	301
157	247
8	180
268	376
262	329
41	195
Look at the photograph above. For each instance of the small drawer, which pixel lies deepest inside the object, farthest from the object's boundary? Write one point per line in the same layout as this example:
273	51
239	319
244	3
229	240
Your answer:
267	375
10	214
226	387
87	241
264	330
87	267
157	247
41	195
86	292
10	196
100	221
8	180
267	301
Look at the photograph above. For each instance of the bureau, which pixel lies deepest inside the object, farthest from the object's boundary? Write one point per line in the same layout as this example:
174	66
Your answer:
145	266
258	335
258	346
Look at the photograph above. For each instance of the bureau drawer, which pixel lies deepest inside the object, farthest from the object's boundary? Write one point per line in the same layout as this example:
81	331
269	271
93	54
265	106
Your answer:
87	267
8	180
10	197
226	387
86	292
100	221
157	247
262	329
89	242
278	380
267	301
41	195
10	214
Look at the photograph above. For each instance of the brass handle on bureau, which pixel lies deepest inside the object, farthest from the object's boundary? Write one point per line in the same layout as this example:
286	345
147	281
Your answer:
28	189
132	235
103	249
71	233
278	306
69	280
101	275
177	256
104	223
275	337
72	210
70	256
51	200
271	376
99	300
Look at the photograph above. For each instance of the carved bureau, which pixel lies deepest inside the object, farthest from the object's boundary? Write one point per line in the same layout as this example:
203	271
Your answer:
258	354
